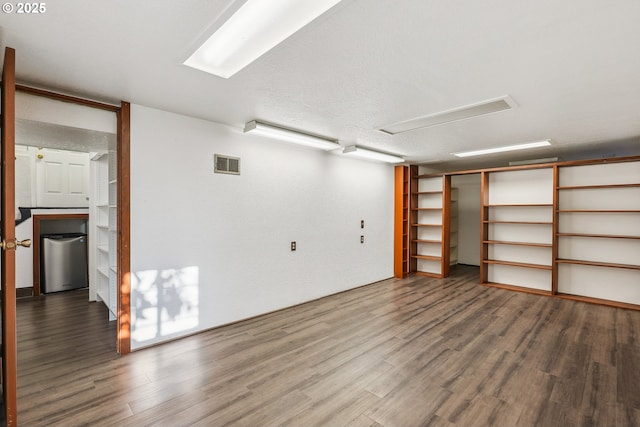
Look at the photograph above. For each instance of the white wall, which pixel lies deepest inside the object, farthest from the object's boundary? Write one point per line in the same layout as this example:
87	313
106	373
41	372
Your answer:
218	246
469	205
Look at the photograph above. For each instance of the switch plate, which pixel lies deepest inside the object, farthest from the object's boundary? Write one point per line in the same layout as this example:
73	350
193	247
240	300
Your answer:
362	223
361	239
293	246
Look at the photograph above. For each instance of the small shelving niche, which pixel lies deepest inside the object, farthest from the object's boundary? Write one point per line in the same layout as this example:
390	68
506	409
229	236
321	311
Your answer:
598	231
427	225
517	229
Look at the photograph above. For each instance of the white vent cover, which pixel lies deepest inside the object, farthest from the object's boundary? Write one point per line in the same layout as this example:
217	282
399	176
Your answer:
479	109
226	164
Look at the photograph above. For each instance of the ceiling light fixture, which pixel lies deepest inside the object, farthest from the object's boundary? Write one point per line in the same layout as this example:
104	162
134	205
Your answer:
254	29
460	113
289	135
366	153
503	149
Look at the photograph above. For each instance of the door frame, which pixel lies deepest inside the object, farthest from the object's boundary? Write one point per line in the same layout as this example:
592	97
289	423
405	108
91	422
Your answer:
123	276
9	346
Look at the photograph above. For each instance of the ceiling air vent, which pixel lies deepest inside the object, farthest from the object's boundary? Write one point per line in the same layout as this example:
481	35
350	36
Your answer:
226	164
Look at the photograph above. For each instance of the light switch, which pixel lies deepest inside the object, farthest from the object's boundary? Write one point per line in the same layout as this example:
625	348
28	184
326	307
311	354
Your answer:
293	246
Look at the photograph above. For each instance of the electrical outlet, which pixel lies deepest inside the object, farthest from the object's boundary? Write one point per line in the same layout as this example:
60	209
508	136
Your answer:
362	223
293	246
361	239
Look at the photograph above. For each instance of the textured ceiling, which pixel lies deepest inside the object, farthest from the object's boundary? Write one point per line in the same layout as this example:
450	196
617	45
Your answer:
572	67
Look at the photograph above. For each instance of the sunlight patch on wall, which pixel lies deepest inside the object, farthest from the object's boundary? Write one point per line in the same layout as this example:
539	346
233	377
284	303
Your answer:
164	303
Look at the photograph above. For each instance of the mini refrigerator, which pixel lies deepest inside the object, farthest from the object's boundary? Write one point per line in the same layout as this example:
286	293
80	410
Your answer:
63	262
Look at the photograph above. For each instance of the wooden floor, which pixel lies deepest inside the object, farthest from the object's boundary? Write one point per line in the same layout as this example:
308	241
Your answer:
409	352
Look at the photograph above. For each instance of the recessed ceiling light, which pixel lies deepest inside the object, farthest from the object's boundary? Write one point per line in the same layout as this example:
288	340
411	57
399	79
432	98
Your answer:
503	149
460	113
366	153
254	29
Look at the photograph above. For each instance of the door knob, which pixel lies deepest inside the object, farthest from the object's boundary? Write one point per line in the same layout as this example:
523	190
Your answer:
12	244
26	243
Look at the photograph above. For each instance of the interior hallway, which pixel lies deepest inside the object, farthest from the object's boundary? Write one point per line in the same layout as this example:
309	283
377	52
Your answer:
416	351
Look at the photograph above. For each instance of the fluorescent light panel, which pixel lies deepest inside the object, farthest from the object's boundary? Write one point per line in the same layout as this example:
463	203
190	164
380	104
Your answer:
503	149
254	29
289	135
365	153
453	115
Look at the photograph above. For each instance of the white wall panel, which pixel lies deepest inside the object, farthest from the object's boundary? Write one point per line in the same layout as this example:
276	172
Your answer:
216	247
531	186
518	276
601	174
614	284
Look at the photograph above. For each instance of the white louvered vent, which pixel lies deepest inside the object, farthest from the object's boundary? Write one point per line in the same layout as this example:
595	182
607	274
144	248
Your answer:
226	164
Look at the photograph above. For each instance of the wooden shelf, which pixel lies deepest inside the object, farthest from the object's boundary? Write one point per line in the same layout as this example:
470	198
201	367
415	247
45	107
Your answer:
426	241
598	301
518	264
426	225
426	209
517	222
520	205
428	192
427	257
604	236
591	187
598	264
599	210
501	242
518	288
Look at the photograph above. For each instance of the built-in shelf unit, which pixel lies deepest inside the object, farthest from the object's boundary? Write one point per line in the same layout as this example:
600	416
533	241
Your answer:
453	227
598	231
401	232
103	231
567	229
429	224
517	228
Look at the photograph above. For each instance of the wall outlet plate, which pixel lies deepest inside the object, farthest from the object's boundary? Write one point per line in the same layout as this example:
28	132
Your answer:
361	239
293	246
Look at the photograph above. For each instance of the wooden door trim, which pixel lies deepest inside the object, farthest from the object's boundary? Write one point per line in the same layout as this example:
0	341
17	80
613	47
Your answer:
124	229
123	117
35	243
9	334
67	98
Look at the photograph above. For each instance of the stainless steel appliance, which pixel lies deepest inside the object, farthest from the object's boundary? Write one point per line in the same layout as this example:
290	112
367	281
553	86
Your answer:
63	262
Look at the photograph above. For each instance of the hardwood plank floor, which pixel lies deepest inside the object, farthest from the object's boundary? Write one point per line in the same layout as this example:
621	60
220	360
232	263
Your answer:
409	352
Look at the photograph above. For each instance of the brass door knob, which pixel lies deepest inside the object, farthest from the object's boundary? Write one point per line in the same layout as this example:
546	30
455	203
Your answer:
12	244
26	243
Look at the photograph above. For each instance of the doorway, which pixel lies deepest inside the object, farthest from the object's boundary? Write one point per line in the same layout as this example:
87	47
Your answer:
119	145
465	211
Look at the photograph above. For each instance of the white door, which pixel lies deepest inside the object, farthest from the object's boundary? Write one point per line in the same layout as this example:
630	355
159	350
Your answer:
62	178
